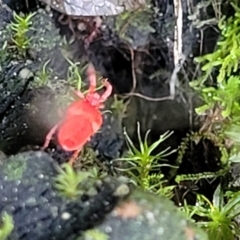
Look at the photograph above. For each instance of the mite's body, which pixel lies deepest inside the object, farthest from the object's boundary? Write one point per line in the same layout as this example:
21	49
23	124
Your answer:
82	119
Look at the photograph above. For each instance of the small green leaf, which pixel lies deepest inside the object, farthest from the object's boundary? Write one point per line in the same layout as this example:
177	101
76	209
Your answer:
235	158
233	132
202	109
207	66
208	90
218	197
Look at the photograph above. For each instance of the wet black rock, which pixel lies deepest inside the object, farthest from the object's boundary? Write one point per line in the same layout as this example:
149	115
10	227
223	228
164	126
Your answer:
27	193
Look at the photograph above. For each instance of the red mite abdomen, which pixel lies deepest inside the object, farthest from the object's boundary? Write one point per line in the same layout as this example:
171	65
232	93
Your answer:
74	133
80	107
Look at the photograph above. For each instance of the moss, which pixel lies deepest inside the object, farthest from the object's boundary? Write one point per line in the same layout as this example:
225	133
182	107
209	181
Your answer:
226	55
68	182
95	234
15	167
6	226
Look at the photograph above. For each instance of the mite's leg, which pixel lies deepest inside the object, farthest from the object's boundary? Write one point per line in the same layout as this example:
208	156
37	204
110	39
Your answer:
49	135
74	157
108	91
79	94
95	31
92	78
68	21
91	74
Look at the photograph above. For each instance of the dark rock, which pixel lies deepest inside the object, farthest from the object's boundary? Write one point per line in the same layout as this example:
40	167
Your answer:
147	216
27	193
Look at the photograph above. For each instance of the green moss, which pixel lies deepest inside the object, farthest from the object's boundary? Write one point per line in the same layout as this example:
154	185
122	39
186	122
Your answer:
95	234
15	167
221	102
142	161
68	181
6	226
217	217
226	56
19	29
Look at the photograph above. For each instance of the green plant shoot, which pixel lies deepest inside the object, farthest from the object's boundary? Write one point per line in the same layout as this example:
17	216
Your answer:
142	161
